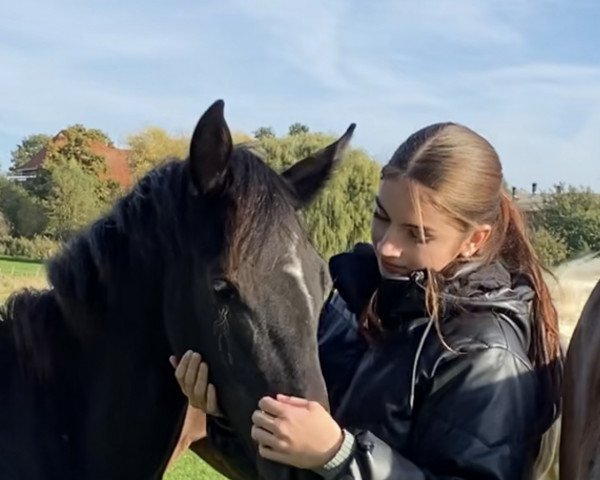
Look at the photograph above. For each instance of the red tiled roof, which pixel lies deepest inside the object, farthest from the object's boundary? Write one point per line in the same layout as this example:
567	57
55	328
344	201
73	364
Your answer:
116	160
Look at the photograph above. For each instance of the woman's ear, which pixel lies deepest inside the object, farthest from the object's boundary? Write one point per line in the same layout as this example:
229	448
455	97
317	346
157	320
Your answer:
476	239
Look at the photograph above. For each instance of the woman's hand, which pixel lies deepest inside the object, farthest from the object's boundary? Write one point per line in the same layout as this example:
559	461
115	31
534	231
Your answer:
192	376
295	431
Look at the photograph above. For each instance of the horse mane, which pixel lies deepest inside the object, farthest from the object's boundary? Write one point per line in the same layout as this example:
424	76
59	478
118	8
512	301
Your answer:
158	220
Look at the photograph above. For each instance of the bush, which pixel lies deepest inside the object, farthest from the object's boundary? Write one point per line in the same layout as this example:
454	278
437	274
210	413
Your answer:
5	226
573	215
551	250
36	248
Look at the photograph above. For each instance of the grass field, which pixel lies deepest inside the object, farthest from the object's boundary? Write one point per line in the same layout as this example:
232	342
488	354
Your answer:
20	267
190	467
19	273
575	281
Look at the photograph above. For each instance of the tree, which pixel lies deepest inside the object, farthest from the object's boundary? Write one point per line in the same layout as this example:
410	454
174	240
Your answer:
5	226
28	147
77	150
264	132
153	145
552	251
72	201
572	216
25	214
91	134
297	129
72	184
341	214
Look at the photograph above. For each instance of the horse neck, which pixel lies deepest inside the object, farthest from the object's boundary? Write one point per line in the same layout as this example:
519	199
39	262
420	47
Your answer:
128	392
133	407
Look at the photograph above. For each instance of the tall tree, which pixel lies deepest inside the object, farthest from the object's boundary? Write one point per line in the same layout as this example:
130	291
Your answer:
24	214
264	132
297	129
572	215
91	134
341	215
28	147
152	146
72	200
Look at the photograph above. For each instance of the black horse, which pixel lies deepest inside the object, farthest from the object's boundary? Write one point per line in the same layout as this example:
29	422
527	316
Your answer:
205	254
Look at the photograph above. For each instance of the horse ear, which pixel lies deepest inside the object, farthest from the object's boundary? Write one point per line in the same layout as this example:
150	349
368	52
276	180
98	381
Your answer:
210	149
308	176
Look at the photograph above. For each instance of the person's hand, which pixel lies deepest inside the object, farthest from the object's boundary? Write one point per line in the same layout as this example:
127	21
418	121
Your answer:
295	431
192	375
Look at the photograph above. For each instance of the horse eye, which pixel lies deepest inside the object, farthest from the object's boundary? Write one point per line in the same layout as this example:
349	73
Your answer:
223	288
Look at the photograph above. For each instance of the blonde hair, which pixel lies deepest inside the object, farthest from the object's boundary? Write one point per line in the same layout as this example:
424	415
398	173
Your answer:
464	174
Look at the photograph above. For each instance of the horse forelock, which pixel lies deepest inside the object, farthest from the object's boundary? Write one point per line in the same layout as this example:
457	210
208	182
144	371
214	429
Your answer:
262	215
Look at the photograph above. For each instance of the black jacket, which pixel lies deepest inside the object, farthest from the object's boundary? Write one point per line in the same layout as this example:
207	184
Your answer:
473	409
421	410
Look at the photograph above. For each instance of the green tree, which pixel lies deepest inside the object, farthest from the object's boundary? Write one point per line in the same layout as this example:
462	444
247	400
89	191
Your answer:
91	134
571	215
28	147
73	184
297	129
5	226
24	214
551	250
264	132
151	146
341	214
71	201
76	150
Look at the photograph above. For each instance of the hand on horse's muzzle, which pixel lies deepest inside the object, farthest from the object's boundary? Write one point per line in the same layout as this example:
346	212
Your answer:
293	435
296	432
192	375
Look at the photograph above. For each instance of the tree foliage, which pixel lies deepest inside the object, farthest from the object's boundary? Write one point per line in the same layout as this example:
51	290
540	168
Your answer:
76	150
72	184
152	146
91	134
72	189
551	250
28	147
341	214
572	216
23	214
298	129
264	132
71	201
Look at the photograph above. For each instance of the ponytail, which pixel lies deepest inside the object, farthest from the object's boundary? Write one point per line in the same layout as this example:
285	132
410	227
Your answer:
518	254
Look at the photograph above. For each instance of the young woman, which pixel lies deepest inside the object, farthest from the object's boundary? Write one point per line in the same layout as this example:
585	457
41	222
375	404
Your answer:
439	343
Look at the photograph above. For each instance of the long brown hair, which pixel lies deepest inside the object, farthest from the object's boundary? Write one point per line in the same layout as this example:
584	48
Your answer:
463	171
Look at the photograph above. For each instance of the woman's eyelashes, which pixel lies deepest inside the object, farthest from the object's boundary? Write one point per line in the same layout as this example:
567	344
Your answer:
379	215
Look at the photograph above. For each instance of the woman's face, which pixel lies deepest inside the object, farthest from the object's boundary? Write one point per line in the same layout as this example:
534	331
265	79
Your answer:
408	238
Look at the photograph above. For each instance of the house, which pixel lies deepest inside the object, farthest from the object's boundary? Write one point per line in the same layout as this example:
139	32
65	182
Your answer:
116	161
527	201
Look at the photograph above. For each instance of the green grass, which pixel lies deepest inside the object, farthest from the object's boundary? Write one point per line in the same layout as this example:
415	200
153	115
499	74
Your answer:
190	467
20	267
18	273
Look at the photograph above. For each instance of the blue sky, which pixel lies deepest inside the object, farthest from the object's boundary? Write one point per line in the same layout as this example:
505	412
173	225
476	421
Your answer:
525	74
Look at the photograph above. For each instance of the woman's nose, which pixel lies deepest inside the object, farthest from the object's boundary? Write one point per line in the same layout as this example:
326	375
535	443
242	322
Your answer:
389	246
